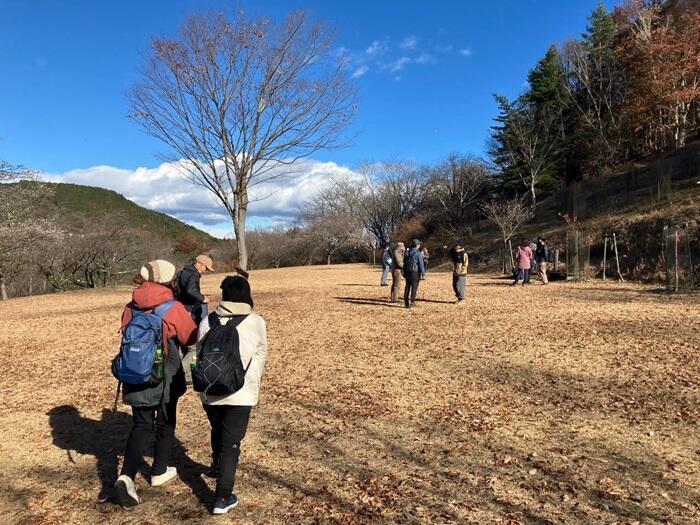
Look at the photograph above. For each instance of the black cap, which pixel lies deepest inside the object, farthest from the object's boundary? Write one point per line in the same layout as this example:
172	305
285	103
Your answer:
237	290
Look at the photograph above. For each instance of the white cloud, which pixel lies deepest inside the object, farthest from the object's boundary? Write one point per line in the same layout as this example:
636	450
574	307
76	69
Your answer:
166	189
465	52
410	42
400	63
360	71
397	65
425	58
376	48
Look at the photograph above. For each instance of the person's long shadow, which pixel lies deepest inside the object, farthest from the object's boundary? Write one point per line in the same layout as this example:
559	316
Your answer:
367	301
419	300
105	439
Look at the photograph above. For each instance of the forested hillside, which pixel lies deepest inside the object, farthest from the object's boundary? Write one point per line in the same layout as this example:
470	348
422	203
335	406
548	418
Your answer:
78	203
63	236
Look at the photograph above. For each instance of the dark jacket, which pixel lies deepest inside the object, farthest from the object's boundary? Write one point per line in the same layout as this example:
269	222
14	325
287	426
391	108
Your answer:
178	329
415	254
542	252
189	293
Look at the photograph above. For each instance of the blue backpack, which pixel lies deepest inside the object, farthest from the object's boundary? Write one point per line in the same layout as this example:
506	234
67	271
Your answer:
141	339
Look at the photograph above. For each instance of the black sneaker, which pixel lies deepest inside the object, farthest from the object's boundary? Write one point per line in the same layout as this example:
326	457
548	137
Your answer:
223	505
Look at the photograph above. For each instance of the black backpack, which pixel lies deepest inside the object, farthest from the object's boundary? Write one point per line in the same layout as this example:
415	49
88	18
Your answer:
219	370
410	263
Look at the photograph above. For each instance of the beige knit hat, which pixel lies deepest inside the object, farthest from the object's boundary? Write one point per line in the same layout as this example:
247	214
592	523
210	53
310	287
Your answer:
158	271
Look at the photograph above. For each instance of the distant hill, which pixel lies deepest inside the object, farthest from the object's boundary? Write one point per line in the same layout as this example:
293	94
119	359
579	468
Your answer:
78	203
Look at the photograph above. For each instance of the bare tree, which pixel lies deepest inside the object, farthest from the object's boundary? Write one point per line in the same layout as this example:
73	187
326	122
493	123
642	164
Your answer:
593	85
387	193
20	230
508	215
457	184
329	225
529	142
240	101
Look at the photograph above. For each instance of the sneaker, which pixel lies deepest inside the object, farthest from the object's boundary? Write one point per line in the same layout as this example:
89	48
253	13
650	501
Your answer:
126	492
162	479
223	505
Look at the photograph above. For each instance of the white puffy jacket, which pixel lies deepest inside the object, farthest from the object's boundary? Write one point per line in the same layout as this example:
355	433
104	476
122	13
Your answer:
252	334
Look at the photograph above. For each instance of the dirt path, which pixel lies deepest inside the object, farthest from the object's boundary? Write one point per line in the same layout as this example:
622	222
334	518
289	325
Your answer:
572	403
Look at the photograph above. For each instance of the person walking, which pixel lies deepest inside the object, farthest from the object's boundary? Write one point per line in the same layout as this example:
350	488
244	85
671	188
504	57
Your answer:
523	263
229	414
460	263
542	258
154	407
190	294
396	270
386	266
413	270
189	291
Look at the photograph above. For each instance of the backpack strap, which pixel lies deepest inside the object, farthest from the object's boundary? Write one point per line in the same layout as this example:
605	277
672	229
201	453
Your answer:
235	321
163	309
232	324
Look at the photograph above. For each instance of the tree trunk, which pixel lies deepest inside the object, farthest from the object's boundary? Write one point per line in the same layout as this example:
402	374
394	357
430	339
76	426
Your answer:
329	259
3	289
239	229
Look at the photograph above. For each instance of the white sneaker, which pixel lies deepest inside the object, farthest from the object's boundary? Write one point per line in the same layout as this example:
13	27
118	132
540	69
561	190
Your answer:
126	491
162	479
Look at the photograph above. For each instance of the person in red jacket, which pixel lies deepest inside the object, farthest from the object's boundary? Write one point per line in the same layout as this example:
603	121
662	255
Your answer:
154	407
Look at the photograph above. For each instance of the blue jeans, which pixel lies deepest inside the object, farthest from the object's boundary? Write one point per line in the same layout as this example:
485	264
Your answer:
385	275
523	275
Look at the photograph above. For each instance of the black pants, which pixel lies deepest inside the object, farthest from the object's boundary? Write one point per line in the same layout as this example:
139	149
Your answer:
412	280
228	428
147	422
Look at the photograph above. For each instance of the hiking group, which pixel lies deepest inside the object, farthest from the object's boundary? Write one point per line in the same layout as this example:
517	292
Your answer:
166	324
411	265
531	257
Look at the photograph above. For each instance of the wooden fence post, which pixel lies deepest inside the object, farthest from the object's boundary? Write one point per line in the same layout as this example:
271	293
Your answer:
617	259
675	259
605	255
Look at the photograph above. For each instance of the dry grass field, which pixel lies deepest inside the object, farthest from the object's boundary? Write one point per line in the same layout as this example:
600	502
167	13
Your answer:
572	403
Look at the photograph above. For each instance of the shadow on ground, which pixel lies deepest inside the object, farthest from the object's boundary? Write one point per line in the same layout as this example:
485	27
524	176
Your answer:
105	439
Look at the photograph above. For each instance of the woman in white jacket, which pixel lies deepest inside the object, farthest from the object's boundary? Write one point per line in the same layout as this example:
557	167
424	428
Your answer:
229	415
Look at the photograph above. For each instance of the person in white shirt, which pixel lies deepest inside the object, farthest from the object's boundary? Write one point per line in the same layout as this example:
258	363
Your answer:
229	414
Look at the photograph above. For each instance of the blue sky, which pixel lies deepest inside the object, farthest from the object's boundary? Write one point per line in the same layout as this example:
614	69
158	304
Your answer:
428	72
